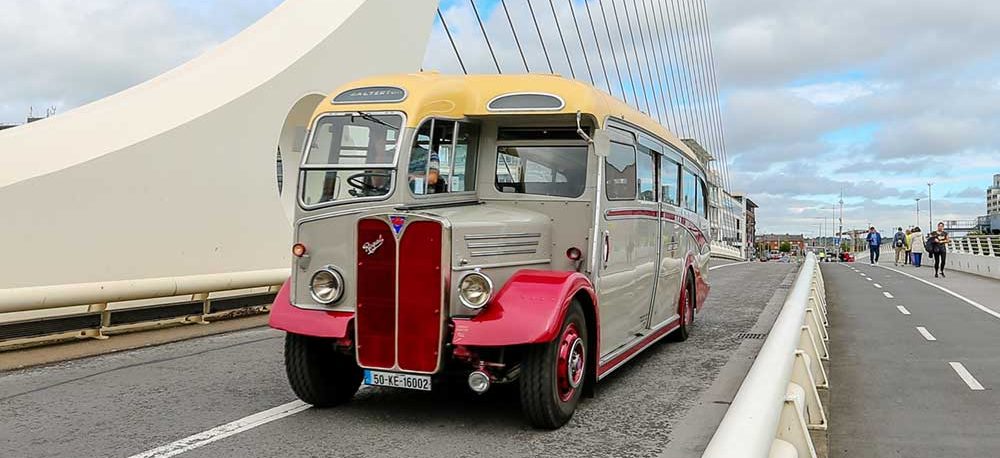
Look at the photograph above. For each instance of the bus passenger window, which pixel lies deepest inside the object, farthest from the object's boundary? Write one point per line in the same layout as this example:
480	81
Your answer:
417	171
463	177
702	202
689	189
646	175
620	172
670	177
559	171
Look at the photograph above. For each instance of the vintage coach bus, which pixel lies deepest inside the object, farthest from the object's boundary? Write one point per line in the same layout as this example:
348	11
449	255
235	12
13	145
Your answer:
488	229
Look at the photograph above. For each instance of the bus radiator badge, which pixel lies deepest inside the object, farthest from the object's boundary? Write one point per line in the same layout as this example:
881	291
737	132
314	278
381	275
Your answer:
371	247
397	223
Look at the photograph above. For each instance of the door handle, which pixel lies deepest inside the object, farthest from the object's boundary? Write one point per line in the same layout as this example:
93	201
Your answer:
607	247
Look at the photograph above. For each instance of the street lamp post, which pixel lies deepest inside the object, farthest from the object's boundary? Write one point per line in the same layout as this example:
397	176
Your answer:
918	211
930	207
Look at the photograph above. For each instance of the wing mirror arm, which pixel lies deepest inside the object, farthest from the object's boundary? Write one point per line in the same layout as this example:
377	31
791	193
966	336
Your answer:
580	131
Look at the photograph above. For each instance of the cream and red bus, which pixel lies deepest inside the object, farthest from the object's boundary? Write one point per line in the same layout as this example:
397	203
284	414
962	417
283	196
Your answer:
524	229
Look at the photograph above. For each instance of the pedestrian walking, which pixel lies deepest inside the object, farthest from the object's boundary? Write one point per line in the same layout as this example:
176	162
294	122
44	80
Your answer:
939	245
916	246
874	244
909	247
899	245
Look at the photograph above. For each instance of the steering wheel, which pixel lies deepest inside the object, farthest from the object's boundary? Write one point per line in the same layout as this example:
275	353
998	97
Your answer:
361	182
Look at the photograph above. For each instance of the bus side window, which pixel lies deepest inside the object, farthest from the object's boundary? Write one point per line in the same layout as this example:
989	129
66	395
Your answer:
620	172
702	201
689	188
646	175
670	177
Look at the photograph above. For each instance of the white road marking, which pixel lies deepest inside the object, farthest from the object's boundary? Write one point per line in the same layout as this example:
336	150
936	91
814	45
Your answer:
967	377
224	431
924	332
727	265
942	288
887	294
903	310
877	285
868	278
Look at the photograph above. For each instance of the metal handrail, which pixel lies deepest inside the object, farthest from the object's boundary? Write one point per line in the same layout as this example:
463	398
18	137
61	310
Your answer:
983	245
57	296
778	403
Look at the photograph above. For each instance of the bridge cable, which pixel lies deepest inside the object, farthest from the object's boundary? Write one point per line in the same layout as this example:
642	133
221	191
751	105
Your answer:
562	39
583	47
638	64
659	63
683	70
614	56
600	54
673	51
689	68
540	40
514	32
628	65
697	126
446	31
711	94
715	85
485	36
667	58
650	65
702	78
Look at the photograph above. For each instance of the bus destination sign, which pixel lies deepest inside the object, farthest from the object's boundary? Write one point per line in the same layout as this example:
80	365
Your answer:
372	94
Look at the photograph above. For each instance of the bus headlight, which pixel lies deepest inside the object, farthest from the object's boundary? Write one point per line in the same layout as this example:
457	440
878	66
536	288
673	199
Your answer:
475	290
326	285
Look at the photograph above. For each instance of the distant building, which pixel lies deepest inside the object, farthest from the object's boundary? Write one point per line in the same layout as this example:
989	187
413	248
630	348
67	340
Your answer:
750	226
993	197
772	242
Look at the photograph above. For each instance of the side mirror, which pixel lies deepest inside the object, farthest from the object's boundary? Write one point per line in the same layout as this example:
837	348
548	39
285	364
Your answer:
602	142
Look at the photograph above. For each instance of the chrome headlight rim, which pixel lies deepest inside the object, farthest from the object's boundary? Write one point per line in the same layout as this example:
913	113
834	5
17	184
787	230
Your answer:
489	290
337	277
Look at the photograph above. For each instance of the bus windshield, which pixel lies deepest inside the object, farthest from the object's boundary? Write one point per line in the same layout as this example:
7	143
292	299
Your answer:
350	156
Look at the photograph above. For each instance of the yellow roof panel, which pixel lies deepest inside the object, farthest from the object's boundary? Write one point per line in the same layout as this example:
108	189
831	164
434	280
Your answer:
431	94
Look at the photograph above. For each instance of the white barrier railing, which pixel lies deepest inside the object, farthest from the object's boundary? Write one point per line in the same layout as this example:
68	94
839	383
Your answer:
726	251
778	402
984	245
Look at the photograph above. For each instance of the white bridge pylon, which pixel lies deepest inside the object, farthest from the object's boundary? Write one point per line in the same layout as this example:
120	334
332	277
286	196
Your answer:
176	176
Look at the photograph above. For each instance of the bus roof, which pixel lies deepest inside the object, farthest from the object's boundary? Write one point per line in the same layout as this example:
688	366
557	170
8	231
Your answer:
431	94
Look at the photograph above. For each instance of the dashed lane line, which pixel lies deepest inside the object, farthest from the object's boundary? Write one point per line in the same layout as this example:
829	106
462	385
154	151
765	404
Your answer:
877	285
868	278
223	431
971	302
966	376
924	332
902	310
887	294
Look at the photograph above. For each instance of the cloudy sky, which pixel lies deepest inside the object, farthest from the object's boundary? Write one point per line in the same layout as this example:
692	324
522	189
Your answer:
874	98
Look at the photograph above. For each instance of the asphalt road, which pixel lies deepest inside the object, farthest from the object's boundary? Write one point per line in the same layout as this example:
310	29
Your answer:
130	402
897	387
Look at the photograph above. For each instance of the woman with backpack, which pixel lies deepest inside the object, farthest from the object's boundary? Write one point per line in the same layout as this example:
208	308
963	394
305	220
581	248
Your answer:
916	246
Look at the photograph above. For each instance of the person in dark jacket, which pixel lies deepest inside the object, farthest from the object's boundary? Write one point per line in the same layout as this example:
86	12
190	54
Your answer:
874	243
899	245
938	242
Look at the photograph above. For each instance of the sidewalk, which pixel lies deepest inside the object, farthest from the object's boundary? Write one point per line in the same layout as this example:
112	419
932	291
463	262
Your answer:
980	290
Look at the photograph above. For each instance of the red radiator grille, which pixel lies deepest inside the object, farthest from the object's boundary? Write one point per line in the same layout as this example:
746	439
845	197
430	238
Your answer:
376	307
420	291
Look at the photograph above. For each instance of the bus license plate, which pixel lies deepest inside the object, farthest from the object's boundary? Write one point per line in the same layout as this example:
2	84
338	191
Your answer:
397	380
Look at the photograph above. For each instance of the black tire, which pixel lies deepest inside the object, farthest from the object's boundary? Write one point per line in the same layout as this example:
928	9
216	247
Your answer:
687	305
319	374
542	399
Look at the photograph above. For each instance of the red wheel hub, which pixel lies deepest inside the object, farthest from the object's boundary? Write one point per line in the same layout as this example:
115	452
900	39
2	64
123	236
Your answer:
571	362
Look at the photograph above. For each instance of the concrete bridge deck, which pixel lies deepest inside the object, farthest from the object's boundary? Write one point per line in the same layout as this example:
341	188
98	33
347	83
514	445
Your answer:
668	399
914	367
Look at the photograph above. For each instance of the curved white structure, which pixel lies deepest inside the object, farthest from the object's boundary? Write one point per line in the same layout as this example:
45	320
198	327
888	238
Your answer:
176	176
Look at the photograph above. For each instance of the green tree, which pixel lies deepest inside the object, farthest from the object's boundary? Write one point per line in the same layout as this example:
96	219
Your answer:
845	247
785	247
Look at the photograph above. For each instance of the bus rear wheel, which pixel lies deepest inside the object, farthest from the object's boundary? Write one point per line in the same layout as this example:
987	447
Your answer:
553	373
318	374
686	306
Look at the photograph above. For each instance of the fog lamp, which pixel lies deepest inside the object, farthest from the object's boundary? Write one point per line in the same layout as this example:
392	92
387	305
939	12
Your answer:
479	382
327	285
475	290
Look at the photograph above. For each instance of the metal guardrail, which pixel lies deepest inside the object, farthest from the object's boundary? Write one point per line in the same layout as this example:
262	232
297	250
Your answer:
98	320
984	245
778	402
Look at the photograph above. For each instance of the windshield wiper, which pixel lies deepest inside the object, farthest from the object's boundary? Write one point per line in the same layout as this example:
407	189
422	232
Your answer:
368	117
